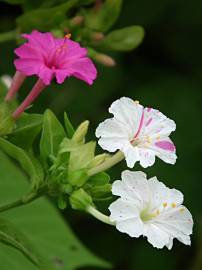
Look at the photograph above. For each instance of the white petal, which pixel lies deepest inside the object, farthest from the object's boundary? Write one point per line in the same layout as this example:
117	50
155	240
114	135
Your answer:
177	222
133	227
155	236
113	135
147	157
137	185
122	210
157	124
111	128
131	154
128	112
160	194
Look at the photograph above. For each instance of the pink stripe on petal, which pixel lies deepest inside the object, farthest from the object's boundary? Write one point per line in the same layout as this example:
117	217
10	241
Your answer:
148	122
149	109
140	125
165	145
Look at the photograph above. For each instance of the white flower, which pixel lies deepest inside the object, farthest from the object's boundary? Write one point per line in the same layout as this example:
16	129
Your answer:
149	208
140	133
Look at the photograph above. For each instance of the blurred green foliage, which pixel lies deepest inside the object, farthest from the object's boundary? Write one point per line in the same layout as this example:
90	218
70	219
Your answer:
164	73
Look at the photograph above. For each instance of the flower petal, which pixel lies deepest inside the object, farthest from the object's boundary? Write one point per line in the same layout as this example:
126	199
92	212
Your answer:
113	135
155	236
128	112
83	69
28	66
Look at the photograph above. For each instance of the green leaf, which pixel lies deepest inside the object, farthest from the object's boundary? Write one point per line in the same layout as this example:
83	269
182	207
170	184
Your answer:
69	127
23	158
43	225
102	19
10	236
124	39
27	128
81	157
6	119
44	19
52	135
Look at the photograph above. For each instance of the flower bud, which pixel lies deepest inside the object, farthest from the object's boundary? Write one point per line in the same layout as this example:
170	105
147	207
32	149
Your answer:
80	133
80	200
77	178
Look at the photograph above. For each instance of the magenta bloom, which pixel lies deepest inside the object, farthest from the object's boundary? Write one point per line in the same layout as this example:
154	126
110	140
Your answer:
48	58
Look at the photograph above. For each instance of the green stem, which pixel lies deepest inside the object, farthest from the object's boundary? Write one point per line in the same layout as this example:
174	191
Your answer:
107	164
7	36
22	201
98	215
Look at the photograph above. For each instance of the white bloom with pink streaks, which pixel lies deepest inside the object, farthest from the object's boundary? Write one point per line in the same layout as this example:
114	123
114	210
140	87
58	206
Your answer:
140	133
149	208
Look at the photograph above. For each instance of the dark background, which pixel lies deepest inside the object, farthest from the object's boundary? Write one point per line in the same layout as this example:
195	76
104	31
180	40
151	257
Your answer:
164	73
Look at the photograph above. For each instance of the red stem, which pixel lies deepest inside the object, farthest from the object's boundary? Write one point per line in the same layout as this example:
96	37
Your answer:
17	81
36	90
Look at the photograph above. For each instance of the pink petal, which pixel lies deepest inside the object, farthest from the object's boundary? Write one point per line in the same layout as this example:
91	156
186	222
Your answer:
61	75
84	69
28	66
45	41
166	145
46	74
29	51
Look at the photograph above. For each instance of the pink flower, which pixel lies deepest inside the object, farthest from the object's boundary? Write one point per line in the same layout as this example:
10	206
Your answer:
48	57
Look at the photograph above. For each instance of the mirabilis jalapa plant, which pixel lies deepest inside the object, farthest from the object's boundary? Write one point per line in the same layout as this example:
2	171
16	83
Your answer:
70	170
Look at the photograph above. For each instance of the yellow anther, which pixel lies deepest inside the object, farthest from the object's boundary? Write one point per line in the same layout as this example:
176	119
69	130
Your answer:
174	205
158	137
157	212
165	205
68	36
137	102
148	139
182	210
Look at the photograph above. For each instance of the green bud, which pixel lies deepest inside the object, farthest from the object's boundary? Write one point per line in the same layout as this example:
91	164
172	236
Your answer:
99	159
101	58
80	133
77	178
62	203
6	119
100	192
66	188
80	200
99	179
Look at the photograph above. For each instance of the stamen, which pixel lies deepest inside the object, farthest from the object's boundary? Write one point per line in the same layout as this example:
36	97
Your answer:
136	102
165	205
174	205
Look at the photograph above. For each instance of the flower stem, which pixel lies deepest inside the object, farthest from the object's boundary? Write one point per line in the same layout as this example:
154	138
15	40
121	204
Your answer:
98	215
107	164
36	90
17	81
22	201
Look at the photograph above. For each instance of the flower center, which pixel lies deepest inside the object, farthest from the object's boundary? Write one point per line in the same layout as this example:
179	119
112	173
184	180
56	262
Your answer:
52	61
146	215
